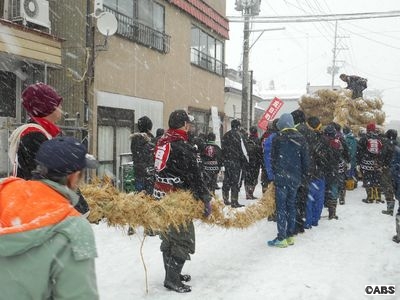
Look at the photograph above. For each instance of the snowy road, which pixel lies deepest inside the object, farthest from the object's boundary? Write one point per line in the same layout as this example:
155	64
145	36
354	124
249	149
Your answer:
332	261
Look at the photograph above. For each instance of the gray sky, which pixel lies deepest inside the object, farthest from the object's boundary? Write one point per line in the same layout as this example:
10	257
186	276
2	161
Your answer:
303	51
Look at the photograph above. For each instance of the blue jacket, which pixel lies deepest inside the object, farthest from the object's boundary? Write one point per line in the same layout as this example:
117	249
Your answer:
267	155
289	157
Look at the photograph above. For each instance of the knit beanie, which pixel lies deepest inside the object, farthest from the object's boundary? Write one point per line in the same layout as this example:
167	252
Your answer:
144	124
235	123
40	100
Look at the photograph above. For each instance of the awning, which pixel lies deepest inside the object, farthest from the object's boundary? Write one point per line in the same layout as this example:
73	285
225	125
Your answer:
25	43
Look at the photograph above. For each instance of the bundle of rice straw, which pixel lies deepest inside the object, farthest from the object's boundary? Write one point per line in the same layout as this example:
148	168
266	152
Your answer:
339	107
177	208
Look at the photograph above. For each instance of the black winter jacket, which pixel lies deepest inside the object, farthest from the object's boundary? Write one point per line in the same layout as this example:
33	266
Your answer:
142	154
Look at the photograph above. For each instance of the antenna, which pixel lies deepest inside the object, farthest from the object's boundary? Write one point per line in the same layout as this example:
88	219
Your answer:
107	25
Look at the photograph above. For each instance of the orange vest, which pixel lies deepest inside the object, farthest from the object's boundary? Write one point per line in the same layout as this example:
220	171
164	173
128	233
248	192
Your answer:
28	204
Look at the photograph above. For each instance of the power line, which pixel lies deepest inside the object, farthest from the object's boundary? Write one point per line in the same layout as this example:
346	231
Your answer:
317	18
370	39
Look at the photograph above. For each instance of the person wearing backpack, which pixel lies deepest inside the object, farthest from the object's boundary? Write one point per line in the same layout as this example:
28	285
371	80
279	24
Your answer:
370	160
43	105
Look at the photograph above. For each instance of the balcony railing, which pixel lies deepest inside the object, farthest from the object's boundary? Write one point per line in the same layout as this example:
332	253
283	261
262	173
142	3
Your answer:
133	30
207	62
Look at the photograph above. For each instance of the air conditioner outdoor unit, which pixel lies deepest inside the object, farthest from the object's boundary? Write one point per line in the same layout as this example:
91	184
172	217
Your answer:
32	11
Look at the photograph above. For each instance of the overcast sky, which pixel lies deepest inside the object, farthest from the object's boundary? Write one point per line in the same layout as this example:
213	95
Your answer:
303	51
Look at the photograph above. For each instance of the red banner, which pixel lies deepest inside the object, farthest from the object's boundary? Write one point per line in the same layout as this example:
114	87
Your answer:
270	113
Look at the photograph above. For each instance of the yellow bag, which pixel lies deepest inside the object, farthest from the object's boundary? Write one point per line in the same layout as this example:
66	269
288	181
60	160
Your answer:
350	184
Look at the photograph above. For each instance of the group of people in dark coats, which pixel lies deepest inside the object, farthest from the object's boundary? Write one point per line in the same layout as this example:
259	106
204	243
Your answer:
310	167
307	166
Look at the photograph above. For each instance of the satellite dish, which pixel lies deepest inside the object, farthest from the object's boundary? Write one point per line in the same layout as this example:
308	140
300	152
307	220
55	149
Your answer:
107	24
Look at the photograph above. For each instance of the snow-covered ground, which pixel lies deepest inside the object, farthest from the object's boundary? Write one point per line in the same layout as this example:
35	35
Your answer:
332	261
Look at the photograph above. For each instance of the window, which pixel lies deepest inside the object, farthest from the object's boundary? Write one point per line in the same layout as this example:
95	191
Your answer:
142	21
7	94
207	51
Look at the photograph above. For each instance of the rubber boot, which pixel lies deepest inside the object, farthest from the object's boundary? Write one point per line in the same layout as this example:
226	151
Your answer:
390	207
378	195
172	281
234	200
182	277
332	213
370	192
225	196
252	188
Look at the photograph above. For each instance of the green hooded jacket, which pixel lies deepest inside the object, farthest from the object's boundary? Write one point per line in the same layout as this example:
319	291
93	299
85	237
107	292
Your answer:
50	262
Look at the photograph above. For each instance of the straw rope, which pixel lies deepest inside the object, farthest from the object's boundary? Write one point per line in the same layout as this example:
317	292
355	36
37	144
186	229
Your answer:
177	208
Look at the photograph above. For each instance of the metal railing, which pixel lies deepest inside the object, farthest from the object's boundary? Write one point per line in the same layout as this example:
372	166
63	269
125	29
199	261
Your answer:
207	62
135	31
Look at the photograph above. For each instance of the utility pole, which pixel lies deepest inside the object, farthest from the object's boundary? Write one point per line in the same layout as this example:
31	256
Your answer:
245	73
248	8
334	69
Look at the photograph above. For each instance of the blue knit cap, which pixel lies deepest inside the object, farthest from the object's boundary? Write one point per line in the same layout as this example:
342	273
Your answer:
63	156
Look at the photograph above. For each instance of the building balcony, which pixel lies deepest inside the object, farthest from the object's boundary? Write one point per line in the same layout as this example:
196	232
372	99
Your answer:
137	32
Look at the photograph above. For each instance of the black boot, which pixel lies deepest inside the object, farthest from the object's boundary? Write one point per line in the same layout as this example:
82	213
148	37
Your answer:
182	277
332	213
234	200
225	196
342	196
172	281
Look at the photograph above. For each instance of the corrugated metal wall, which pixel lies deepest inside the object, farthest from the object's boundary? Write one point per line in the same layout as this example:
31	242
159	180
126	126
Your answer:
68	21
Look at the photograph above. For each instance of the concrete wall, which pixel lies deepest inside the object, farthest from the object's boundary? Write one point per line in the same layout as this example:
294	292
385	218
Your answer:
130	69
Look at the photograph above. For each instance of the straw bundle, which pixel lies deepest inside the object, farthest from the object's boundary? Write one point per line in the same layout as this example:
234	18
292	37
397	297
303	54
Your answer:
337	106
177	208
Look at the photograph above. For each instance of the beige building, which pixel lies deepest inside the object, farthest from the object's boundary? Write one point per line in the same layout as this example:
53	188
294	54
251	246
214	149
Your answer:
164	55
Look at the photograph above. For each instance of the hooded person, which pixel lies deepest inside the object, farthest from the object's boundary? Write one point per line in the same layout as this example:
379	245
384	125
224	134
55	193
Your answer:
142	148
43	105
42	231
176	168
290	164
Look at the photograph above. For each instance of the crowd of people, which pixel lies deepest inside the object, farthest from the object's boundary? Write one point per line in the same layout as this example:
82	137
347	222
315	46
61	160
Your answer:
310	165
